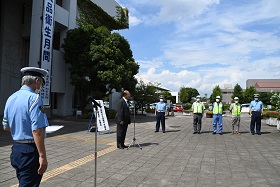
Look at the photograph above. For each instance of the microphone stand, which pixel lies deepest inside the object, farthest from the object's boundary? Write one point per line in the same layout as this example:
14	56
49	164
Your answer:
134	139
94	106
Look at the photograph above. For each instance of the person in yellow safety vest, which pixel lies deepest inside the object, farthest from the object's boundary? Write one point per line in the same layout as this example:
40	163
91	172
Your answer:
218	109
198	111
235	110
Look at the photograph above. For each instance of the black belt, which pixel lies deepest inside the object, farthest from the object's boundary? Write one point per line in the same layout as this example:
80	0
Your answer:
24	141
256	111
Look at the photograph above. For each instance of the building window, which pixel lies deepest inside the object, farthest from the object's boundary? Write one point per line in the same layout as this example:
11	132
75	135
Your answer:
56	41
25	52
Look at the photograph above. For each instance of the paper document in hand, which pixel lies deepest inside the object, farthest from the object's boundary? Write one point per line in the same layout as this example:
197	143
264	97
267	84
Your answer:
53	128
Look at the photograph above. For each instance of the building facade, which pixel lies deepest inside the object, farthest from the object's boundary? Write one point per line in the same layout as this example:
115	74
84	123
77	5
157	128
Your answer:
264	85
21	44
261	85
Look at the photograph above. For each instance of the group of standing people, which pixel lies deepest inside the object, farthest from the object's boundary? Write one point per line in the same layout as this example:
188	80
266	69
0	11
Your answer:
25	119
198	108
255	111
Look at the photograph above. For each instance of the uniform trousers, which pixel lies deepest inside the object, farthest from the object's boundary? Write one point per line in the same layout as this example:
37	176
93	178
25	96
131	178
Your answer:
25	159
218	119
160	119
197	122
256	121
121	133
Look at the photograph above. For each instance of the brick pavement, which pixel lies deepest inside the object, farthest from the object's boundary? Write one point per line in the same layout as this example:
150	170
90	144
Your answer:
176	158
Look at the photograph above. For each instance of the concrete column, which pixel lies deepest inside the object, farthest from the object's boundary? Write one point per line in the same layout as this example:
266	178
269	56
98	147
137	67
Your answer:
36	33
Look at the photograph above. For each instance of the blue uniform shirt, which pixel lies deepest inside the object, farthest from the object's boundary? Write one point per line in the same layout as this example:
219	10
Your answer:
256	105
23	113
160	106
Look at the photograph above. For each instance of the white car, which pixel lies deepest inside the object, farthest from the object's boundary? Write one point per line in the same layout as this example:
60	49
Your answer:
245	108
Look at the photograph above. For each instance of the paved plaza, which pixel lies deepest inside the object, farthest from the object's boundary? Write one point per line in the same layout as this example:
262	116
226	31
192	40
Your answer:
175	158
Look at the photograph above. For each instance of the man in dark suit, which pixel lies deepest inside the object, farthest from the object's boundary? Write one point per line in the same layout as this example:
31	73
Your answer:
123	119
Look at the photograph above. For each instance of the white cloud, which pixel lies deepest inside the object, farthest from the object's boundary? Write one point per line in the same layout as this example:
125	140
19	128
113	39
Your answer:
211	42
149	64
133	21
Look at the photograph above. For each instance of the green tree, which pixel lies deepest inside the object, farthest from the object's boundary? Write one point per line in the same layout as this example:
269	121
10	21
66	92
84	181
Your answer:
187	94
216	92
167	95
265	97
248	94
238	92
184	96
144	94
98	58
204	98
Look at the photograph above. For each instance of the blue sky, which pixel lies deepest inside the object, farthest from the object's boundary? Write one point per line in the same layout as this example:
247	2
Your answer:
204	43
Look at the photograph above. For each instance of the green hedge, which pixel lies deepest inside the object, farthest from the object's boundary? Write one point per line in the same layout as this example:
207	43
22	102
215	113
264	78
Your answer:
150	110
187	111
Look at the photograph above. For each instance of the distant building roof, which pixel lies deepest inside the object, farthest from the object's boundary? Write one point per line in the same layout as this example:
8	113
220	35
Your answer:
146	81
267	85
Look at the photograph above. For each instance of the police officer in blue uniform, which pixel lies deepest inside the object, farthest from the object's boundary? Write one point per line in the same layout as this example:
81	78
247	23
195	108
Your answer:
160	113
256	112
25	120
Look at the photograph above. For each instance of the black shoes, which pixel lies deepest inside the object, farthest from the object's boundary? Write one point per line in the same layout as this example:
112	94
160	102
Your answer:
194	132
162	131
198	132
121	146
220	133
258	133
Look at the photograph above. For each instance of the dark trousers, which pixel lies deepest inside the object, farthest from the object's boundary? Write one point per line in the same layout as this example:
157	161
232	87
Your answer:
121	133
25	159
160	119
197	122
256	120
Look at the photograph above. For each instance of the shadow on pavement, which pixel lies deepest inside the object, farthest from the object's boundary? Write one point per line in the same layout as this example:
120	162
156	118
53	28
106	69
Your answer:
147	144
175	126
265	132
172	130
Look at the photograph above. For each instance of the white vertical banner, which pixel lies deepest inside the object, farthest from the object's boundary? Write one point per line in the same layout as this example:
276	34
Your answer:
47	42
101	118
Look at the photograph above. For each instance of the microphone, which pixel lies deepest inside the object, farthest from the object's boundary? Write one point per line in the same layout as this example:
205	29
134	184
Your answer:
89	98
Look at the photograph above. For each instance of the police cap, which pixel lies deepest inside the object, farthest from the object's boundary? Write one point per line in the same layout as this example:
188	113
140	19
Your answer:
38	72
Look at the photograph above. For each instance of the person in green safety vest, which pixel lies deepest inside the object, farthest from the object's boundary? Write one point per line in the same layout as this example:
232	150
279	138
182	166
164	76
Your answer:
198	111
218	109
235	110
